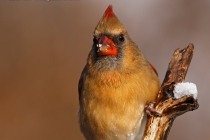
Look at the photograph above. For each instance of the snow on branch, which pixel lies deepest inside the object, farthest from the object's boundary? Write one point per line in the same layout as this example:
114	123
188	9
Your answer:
182	89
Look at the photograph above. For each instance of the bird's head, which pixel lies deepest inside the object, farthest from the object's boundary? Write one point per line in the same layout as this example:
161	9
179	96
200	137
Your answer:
112	47
109	39
109	34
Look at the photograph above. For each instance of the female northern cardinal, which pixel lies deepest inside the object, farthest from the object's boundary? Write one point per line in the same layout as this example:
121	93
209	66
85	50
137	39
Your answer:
115	84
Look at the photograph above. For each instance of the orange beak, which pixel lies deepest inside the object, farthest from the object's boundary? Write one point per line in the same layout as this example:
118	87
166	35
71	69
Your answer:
106	46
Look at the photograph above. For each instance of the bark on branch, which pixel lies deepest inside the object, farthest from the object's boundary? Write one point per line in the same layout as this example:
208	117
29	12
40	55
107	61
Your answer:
167	108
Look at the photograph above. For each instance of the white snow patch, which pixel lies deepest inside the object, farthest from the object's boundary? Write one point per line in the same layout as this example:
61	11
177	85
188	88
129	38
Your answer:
182	89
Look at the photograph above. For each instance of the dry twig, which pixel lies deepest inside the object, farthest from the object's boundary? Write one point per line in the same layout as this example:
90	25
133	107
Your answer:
166	108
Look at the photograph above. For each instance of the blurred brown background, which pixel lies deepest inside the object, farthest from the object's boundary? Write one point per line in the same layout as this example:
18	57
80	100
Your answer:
44	45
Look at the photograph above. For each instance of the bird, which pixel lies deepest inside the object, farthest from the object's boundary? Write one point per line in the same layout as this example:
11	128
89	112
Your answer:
115	84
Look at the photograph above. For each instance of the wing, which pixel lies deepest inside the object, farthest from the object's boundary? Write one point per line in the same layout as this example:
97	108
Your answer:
154	69
81	82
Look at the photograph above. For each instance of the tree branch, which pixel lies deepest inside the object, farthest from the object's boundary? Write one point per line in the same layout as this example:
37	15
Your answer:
167	108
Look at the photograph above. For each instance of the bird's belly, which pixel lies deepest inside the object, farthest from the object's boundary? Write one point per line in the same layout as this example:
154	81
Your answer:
113	121
112	107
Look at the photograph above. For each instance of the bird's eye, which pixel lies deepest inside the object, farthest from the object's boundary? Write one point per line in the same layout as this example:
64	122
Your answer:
95	40
122	38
